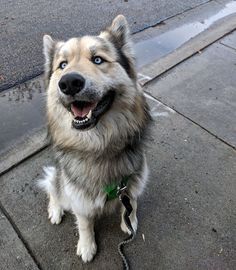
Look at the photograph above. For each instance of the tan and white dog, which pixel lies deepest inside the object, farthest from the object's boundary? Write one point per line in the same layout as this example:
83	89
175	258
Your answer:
98	122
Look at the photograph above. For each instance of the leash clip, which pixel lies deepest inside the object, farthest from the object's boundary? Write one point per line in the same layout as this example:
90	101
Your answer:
121	191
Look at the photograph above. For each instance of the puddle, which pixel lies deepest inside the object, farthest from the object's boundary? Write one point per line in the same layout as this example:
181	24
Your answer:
22	108
155	48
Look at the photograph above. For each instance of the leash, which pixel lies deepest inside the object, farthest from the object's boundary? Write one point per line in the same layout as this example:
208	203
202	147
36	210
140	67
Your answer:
119	191
125	200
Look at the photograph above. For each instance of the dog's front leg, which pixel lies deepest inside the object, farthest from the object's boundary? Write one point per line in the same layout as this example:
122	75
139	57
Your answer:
86	247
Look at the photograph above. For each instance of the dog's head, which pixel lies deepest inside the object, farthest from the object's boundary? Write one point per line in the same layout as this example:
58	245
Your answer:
88	74
92	87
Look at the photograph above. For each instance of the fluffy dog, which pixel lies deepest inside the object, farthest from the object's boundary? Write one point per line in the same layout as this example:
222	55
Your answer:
98	120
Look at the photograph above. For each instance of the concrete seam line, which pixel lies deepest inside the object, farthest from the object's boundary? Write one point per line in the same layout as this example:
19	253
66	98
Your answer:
17	231
194	122
27	146
19	161
228	46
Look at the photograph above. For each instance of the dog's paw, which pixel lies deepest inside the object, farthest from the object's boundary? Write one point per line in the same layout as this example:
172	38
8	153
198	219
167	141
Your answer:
86	250
55	214
134	223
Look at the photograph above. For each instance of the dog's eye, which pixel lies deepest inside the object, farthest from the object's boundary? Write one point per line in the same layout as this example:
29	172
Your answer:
63	65
97	60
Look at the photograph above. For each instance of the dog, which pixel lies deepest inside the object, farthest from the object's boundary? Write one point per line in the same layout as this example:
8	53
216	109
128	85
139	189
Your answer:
98	122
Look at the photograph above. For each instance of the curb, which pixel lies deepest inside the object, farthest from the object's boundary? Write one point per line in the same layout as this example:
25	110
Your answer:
218	30
23	149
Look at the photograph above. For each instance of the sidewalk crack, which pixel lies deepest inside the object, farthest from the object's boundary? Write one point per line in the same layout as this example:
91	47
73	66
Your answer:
227	46
16	229
194	122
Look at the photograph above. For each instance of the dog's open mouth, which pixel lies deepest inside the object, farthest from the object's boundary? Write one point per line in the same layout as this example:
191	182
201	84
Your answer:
86	114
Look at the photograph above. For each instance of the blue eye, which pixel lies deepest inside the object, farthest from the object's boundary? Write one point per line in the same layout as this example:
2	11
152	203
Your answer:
63	65
97	60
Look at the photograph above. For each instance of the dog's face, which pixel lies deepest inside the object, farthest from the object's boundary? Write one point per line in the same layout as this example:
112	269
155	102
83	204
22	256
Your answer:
88	76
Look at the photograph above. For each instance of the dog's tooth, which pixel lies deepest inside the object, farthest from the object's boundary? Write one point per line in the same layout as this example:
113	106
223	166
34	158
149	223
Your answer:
89	115
77	121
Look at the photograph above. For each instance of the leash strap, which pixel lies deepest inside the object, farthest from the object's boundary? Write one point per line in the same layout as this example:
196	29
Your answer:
125	200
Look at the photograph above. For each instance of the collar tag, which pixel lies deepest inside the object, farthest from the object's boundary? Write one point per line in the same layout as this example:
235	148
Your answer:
121	190
114	191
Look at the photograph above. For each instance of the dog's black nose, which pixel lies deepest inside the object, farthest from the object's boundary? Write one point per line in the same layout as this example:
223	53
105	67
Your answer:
71	83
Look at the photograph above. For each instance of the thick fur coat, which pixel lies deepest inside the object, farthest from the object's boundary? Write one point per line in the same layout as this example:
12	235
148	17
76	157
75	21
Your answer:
98	122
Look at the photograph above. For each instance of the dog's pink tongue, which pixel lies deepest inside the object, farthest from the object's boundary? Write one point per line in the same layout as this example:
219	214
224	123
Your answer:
81	112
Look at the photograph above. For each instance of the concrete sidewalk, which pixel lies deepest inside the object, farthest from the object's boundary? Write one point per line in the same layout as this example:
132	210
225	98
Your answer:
187	213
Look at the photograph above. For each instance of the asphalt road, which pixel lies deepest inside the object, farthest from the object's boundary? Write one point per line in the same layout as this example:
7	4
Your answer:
23	23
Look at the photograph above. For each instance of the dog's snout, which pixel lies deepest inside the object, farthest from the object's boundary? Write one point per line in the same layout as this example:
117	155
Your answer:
71	83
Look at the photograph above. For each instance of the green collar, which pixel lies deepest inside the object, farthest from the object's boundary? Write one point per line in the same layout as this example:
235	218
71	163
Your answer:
112	190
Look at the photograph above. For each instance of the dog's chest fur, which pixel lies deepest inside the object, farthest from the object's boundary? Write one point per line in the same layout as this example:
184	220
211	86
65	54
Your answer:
82	177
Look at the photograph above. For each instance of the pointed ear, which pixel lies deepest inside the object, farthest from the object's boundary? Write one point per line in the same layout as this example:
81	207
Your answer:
48	46
119	29
119	35
48	49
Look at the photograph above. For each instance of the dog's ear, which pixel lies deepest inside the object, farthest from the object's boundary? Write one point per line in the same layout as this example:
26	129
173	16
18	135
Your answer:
119	30
48	49
119	35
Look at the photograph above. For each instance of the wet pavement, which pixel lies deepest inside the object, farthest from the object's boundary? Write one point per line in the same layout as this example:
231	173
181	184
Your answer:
187	214
157	47
22	111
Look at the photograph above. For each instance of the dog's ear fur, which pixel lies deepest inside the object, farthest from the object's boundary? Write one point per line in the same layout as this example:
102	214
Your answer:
119	35
119	30
48	49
